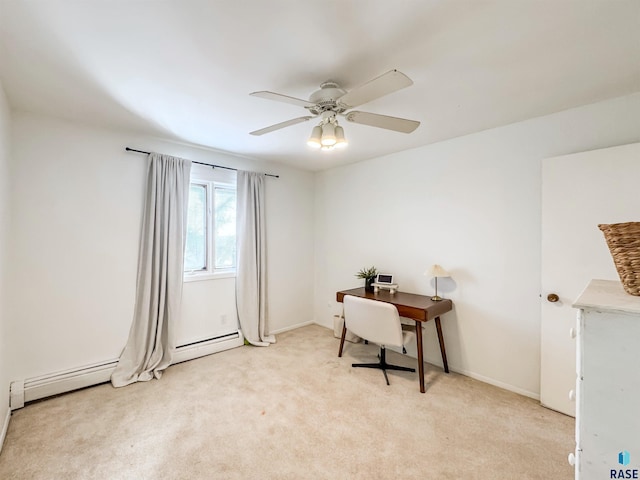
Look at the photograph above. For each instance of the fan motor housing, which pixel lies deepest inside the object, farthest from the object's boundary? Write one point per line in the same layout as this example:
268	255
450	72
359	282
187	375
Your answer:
325	98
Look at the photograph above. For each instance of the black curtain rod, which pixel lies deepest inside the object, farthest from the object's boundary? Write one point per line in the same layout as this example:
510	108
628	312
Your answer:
199	163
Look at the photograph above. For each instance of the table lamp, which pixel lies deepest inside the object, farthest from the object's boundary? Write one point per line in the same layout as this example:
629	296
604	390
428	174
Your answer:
436	271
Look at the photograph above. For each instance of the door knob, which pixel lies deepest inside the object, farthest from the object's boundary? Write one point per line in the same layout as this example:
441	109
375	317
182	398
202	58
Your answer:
553	298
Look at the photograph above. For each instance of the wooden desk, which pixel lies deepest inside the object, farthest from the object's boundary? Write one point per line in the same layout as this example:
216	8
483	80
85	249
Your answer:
417	307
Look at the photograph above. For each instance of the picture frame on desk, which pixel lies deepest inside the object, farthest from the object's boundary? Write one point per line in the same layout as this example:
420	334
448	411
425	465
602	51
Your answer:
385	281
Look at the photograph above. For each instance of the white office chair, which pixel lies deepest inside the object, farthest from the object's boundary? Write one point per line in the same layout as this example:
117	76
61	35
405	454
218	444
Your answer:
378	322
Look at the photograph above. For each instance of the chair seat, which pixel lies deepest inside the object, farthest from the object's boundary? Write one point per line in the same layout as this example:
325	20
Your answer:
408	334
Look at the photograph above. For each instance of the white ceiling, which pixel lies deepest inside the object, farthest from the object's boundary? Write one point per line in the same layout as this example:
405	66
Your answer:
184	69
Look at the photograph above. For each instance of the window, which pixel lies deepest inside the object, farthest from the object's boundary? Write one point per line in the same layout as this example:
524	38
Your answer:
210	249
195	252
225	228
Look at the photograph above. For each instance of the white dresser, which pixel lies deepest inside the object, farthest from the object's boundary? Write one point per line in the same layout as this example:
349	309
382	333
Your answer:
608	382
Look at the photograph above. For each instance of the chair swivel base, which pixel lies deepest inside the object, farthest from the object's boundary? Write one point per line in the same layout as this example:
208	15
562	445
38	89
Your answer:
383	365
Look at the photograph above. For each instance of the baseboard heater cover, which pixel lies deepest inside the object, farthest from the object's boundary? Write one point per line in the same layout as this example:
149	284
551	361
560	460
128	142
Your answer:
73	379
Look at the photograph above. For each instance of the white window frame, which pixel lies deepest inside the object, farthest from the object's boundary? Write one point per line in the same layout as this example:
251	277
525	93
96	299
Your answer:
210	179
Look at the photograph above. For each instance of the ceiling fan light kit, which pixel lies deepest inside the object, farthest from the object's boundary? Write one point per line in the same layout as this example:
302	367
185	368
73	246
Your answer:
331	100
328	134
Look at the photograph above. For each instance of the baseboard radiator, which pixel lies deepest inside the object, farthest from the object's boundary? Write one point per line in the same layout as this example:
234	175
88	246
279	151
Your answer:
30	389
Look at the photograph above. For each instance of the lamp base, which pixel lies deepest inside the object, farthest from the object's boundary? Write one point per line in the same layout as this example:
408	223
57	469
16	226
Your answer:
436	298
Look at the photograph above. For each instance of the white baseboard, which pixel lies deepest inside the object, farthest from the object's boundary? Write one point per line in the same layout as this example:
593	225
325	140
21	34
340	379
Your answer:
437	360
292	327
88	375
496	383
5	427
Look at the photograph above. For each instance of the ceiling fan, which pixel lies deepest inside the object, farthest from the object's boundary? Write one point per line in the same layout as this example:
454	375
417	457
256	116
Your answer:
331	101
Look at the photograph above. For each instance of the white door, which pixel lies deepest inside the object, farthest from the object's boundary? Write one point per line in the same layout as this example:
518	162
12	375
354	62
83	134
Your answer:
579	192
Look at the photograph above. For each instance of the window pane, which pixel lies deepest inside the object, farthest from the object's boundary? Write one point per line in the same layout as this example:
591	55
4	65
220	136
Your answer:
225	228
195	253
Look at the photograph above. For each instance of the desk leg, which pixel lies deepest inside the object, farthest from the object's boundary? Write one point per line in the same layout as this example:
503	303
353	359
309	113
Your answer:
420	355
344	334
442	350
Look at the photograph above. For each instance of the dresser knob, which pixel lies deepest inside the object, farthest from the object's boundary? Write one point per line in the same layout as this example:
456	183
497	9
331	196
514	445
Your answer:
553	298
572	459
572	395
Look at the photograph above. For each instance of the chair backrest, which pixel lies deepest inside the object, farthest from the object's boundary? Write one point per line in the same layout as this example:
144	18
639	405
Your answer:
372	320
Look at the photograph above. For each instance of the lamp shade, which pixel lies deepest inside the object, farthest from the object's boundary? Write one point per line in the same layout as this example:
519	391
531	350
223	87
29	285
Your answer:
436	271
314	139
341	142
328	134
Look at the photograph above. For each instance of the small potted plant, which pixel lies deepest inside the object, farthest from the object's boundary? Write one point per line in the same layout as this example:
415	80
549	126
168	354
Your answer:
369	275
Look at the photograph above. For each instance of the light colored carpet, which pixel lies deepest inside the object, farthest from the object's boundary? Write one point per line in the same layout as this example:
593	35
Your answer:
293	410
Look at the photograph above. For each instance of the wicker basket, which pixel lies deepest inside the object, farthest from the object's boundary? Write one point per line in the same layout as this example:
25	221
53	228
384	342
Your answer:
623	240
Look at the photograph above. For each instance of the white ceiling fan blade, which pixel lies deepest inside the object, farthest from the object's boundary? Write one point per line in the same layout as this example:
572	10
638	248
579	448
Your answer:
278	97
378	87
280	125
383	121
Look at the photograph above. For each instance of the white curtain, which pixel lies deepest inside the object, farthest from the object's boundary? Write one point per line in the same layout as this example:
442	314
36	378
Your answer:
251	288
160	270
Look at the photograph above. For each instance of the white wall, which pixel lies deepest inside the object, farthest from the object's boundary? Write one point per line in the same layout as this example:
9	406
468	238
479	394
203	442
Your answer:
471	204
77	203
4	233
